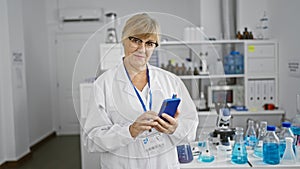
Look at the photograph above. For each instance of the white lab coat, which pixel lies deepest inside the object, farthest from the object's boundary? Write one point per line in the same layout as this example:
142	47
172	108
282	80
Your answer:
116	107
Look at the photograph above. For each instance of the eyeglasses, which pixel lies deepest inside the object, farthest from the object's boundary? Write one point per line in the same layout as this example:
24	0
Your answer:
136	42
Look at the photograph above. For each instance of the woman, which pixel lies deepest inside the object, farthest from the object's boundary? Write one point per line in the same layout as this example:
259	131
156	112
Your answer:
122	123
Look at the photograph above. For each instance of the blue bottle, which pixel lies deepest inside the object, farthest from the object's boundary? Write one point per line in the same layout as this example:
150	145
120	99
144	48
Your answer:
271	147
239	152
285	132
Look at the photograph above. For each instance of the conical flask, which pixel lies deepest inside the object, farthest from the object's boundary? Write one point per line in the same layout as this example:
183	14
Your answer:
206	155
288	155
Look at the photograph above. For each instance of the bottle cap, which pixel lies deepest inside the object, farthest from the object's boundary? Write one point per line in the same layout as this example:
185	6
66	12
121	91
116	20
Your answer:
234	52
286	124
271	128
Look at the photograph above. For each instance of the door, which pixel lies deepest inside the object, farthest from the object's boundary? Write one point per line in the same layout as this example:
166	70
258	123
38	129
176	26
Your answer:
68	49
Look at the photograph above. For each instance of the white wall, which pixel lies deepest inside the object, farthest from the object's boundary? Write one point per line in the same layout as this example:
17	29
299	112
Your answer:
250	12
5	93
14	141
37	70
285	25
210	17
16	35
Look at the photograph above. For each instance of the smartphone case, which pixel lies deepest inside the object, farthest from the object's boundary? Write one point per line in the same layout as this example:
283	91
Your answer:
169	106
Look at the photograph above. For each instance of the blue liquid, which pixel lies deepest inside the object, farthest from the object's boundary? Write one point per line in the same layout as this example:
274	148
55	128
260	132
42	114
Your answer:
295	130
282	148
239	154
205	159
271	153
250	141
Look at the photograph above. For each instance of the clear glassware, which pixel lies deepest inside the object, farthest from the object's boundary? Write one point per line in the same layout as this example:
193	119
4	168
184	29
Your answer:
285	132
262	131
239	152
206	155
289	155
271	147
250	136
296	127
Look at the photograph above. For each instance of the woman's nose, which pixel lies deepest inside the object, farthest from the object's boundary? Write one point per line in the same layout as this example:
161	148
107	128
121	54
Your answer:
142	47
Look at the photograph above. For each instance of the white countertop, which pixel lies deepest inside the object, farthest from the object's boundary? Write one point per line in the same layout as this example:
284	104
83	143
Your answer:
226	163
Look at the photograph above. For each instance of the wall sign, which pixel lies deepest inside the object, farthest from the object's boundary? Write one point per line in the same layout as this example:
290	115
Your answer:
294	67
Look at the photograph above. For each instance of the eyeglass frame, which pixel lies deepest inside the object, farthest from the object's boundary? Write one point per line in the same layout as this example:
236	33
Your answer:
139	41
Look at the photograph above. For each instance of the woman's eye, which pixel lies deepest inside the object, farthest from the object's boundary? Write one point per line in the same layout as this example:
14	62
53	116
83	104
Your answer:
150	44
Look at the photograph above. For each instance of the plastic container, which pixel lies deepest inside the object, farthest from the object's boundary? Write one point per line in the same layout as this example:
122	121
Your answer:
285	132
239	152
289	155
229	63
239	63
271	147
250	136
258	148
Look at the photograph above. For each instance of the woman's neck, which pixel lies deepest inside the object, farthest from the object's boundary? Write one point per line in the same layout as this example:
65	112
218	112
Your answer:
138	76
134	70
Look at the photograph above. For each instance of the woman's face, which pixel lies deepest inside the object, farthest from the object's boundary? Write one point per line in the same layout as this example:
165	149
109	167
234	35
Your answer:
139	50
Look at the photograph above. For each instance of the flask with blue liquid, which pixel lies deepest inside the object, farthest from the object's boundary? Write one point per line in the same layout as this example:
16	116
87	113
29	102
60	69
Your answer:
285	132
271	153
239	152
206	155
250	136
258	148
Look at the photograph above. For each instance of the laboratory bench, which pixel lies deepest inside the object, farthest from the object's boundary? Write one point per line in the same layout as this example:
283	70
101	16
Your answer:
255	163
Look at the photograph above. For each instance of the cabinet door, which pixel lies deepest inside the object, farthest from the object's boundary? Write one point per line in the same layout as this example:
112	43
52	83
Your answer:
261	59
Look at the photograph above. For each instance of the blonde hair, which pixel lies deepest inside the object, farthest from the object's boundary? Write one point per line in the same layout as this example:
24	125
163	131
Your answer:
141	26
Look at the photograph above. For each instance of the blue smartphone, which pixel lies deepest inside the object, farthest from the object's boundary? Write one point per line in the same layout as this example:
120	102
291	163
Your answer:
169	106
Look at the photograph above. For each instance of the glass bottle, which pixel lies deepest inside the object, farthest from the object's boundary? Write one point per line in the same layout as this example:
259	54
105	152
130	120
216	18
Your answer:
206	155
262	131
246	33
239	152
265	26
250	136
289	155
296	127
271	147
183	69
285	132
239	35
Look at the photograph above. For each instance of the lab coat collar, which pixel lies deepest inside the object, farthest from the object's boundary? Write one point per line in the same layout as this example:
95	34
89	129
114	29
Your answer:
121	76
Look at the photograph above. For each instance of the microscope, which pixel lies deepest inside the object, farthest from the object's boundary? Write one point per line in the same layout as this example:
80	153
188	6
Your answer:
223	132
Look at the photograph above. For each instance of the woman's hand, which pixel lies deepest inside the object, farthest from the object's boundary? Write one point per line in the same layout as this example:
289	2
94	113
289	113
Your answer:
167	127
144	122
